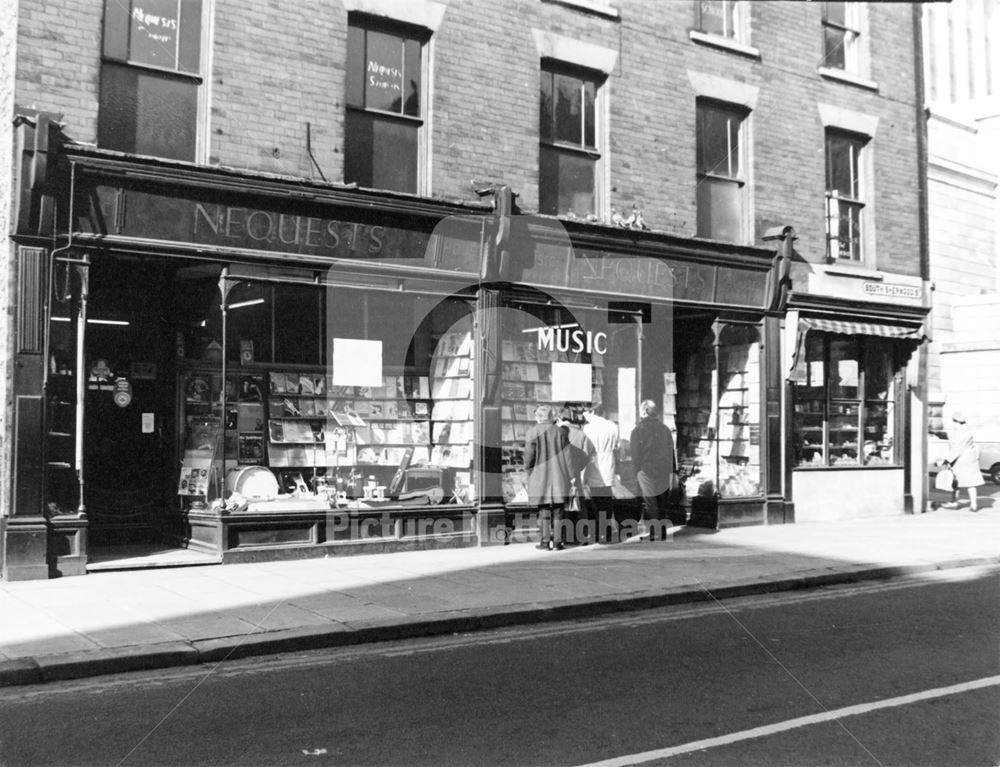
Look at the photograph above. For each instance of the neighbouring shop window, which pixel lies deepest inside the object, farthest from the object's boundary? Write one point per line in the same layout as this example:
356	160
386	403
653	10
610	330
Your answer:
844	402
841	36
845	193
384	105
720	173
721	17
151	77
568	134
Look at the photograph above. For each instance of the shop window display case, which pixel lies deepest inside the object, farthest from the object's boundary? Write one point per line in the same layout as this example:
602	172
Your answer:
718	414
844	411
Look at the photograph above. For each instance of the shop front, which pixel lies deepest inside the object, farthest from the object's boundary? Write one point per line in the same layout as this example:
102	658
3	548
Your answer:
257	368
855	396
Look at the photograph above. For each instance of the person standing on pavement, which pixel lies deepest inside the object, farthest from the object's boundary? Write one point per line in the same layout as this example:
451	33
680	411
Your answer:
547	461
580	451
652	446
963	459
599	476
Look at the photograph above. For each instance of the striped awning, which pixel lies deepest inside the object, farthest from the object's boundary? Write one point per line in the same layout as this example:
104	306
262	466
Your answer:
853	328
909	336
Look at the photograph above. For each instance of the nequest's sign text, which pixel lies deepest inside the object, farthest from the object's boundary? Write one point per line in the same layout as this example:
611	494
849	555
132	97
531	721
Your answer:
270	228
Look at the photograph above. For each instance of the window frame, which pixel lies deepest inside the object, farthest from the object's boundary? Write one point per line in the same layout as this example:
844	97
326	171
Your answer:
851	33
856	205
117	52
549	143
733	11
739	176
419	122
866	418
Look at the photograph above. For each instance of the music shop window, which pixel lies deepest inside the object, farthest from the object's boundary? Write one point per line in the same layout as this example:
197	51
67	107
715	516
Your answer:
566	358
384	117
151	77
569	136
715	396
845	392
367	404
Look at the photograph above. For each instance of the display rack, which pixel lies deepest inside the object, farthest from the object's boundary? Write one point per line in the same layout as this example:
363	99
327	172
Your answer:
718	430
451	414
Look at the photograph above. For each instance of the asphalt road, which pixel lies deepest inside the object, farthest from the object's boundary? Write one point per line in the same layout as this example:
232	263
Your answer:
905	672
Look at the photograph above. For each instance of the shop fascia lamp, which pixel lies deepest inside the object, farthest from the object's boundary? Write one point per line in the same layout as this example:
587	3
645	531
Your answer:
779	279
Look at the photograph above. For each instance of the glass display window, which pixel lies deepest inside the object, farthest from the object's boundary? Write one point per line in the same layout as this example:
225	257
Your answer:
568	358
844	410
352	395
718	382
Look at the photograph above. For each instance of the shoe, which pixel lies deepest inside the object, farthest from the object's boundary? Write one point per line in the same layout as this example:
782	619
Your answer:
542	546
558	547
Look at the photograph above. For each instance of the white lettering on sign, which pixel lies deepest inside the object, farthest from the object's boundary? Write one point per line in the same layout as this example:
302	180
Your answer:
379	76
151	22
893	291
571	338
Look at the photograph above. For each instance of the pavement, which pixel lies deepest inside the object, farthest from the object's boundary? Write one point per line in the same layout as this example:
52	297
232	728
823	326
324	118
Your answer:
118	621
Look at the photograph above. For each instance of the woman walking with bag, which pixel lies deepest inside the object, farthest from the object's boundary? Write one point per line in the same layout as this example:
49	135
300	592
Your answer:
964	461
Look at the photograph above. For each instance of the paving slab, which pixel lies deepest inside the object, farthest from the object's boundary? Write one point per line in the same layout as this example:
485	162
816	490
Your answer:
118	621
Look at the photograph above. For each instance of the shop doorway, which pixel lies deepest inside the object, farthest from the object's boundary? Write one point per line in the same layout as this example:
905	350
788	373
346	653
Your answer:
129	402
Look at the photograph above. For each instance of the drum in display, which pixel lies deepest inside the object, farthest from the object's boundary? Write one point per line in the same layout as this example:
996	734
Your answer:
255	483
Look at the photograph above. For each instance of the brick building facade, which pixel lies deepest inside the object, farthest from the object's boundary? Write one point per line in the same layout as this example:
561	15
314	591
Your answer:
816	108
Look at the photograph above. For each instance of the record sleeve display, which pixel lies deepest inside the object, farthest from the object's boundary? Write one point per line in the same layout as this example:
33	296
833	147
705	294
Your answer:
298	424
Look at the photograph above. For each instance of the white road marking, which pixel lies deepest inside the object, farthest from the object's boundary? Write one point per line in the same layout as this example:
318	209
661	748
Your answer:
791	724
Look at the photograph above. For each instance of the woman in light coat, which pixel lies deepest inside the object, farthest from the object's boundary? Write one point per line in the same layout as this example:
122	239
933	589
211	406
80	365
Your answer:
964	460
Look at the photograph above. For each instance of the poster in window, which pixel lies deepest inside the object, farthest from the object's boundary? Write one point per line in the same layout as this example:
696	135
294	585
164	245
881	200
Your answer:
357	362
571	381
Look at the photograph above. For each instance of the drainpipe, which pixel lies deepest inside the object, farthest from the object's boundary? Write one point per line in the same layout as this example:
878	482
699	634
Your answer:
921	387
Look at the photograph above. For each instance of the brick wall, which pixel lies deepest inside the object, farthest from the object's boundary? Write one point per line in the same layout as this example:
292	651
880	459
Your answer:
272	71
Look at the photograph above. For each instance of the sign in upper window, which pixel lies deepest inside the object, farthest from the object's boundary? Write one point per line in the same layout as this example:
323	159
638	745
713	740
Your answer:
150	77
383	121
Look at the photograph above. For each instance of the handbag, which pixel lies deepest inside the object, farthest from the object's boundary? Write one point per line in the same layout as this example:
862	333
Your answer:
945	480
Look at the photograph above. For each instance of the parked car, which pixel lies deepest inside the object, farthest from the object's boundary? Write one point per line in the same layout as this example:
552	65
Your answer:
989	460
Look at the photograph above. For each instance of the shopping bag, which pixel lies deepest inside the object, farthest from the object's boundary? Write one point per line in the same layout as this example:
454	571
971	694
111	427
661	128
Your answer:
945	480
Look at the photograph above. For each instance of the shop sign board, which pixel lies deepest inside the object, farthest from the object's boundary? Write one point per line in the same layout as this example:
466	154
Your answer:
454	245
891	290
304	229
660	278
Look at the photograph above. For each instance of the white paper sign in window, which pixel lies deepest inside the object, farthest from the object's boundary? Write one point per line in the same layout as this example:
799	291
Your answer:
357	362
571	382
626	400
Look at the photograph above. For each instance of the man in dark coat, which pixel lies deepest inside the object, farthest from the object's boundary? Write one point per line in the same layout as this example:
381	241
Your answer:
547	461
652	447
